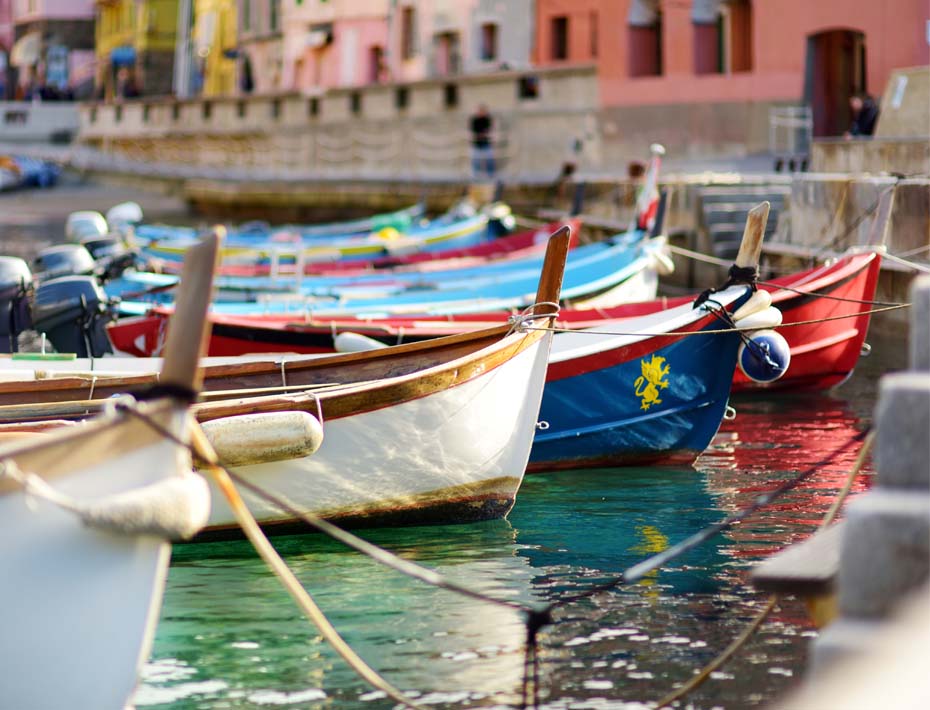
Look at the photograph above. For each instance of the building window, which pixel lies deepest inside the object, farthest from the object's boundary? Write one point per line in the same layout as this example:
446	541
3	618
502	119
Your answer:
736	34
592	33
446	52
645	47
376	64
407	33
488	41
451	95
560	37
274	14
528	87
722	38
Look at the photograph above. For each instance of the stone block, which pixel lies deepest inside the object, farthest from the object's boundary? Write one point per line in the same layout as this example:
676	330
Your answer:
920	326
902	416
840	640
886	551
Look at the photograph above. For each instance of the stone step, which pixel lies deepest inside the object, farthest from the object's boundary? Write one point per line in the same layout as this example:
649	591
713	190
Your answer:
808	568
776	196
737	227
886	551
902	444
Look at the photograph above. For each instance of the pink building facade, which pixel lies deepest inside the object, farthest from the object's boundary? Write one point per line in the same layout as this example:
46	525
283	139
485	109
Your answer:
6	44
655	52
65	58
338	43
343	43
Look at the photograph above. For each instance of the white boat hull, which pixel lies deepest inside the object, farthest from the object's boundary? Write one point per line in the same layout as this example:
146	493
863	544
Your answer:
80	605
455	455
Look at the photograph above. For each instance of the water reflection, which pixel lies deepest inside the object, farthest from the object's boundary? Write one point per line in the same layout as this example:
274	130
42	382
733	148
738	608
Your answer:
229	637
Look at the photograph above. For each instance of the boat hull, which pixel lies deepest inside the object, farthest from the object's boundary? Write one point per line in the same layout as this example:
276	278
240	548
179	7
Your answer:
80	605
824	353
657	401
453	455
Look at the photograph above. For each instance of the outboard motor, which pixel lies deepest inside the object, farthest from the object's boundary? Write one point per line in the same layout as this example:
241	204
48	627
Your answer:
85	223
110	254
500	219
63	260
15	286
73	312
124	216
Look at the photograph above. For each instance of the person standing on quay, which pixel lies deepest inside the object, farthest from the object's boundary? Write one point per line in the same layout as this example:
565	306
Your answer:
482	156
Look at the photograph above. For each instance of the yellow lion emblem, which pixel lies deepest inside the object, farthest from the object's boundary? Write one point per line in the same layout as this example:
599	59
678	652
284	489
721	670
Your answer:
651	381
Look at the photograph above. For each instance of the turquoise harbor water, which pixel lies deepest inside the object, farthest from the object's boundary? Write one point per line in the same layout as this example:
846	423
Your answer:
229	637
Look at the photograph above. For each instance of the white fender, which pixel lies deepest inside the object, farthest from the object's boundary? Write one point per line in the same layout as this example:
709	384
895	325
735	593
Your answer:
262	438
355	343
771	317
758	301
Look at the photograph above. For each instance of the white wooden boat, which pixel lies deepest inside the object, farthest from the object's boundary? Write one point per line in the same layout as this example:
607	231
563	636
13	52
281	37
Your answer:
85	515
437	431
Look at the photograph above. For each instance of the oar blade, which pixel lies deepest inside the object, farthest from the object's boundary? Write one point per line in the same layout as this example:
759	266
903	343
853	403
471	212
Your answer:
553	271
750	248
189	327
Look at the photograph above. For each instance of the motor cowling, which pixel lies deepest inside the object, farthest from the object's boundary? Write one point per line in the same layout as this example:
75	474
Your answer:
110	255
15	285
63	260
73	311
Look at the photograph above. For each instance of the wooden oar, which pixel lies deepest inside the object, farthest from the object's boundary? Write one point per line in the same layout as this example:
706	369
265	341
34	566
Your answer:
189	327
750	248
553	271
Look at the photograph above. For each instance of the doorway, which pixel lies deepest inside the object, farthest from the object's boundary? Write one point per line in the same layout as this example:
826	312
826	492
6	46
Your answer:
834	71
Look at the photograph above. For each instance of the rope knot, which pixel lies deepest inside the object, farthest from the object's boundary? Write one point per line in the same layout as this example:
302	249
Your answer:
748	275
182	394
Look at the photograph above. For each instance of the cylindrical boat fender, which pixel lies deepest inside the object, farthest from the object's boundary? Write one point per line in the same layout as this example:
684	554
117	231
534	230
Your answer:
758	301
766	357
247	439
355	343
770	317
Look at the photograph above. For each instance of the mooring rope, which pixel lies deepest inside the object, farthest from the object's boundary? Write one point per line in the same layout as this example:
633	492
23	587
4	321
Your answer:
536	617
913	265
831	297
719	331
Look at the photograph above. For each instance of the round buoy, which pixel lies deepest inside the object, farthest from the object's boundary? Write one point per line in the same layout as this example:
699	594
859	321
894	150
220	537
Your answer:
766	357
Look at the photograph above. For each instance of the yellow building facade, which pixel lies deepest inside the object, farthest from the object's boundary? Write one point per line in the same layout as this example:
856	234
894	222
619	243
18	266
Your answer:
214	45
138	36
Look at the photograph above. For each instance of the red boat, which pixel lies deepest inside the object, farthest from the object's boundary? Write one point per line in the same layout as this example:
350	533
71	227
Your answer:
823	353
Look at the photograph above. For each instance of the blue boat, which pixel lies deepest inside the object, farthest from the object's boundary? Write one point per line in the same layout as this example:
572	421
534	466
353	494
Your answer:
455	229
621	268
644	395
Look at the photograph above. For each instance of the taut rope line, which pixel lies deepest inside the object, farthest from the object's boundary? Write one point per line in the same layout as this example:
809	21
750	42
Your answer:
719	331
